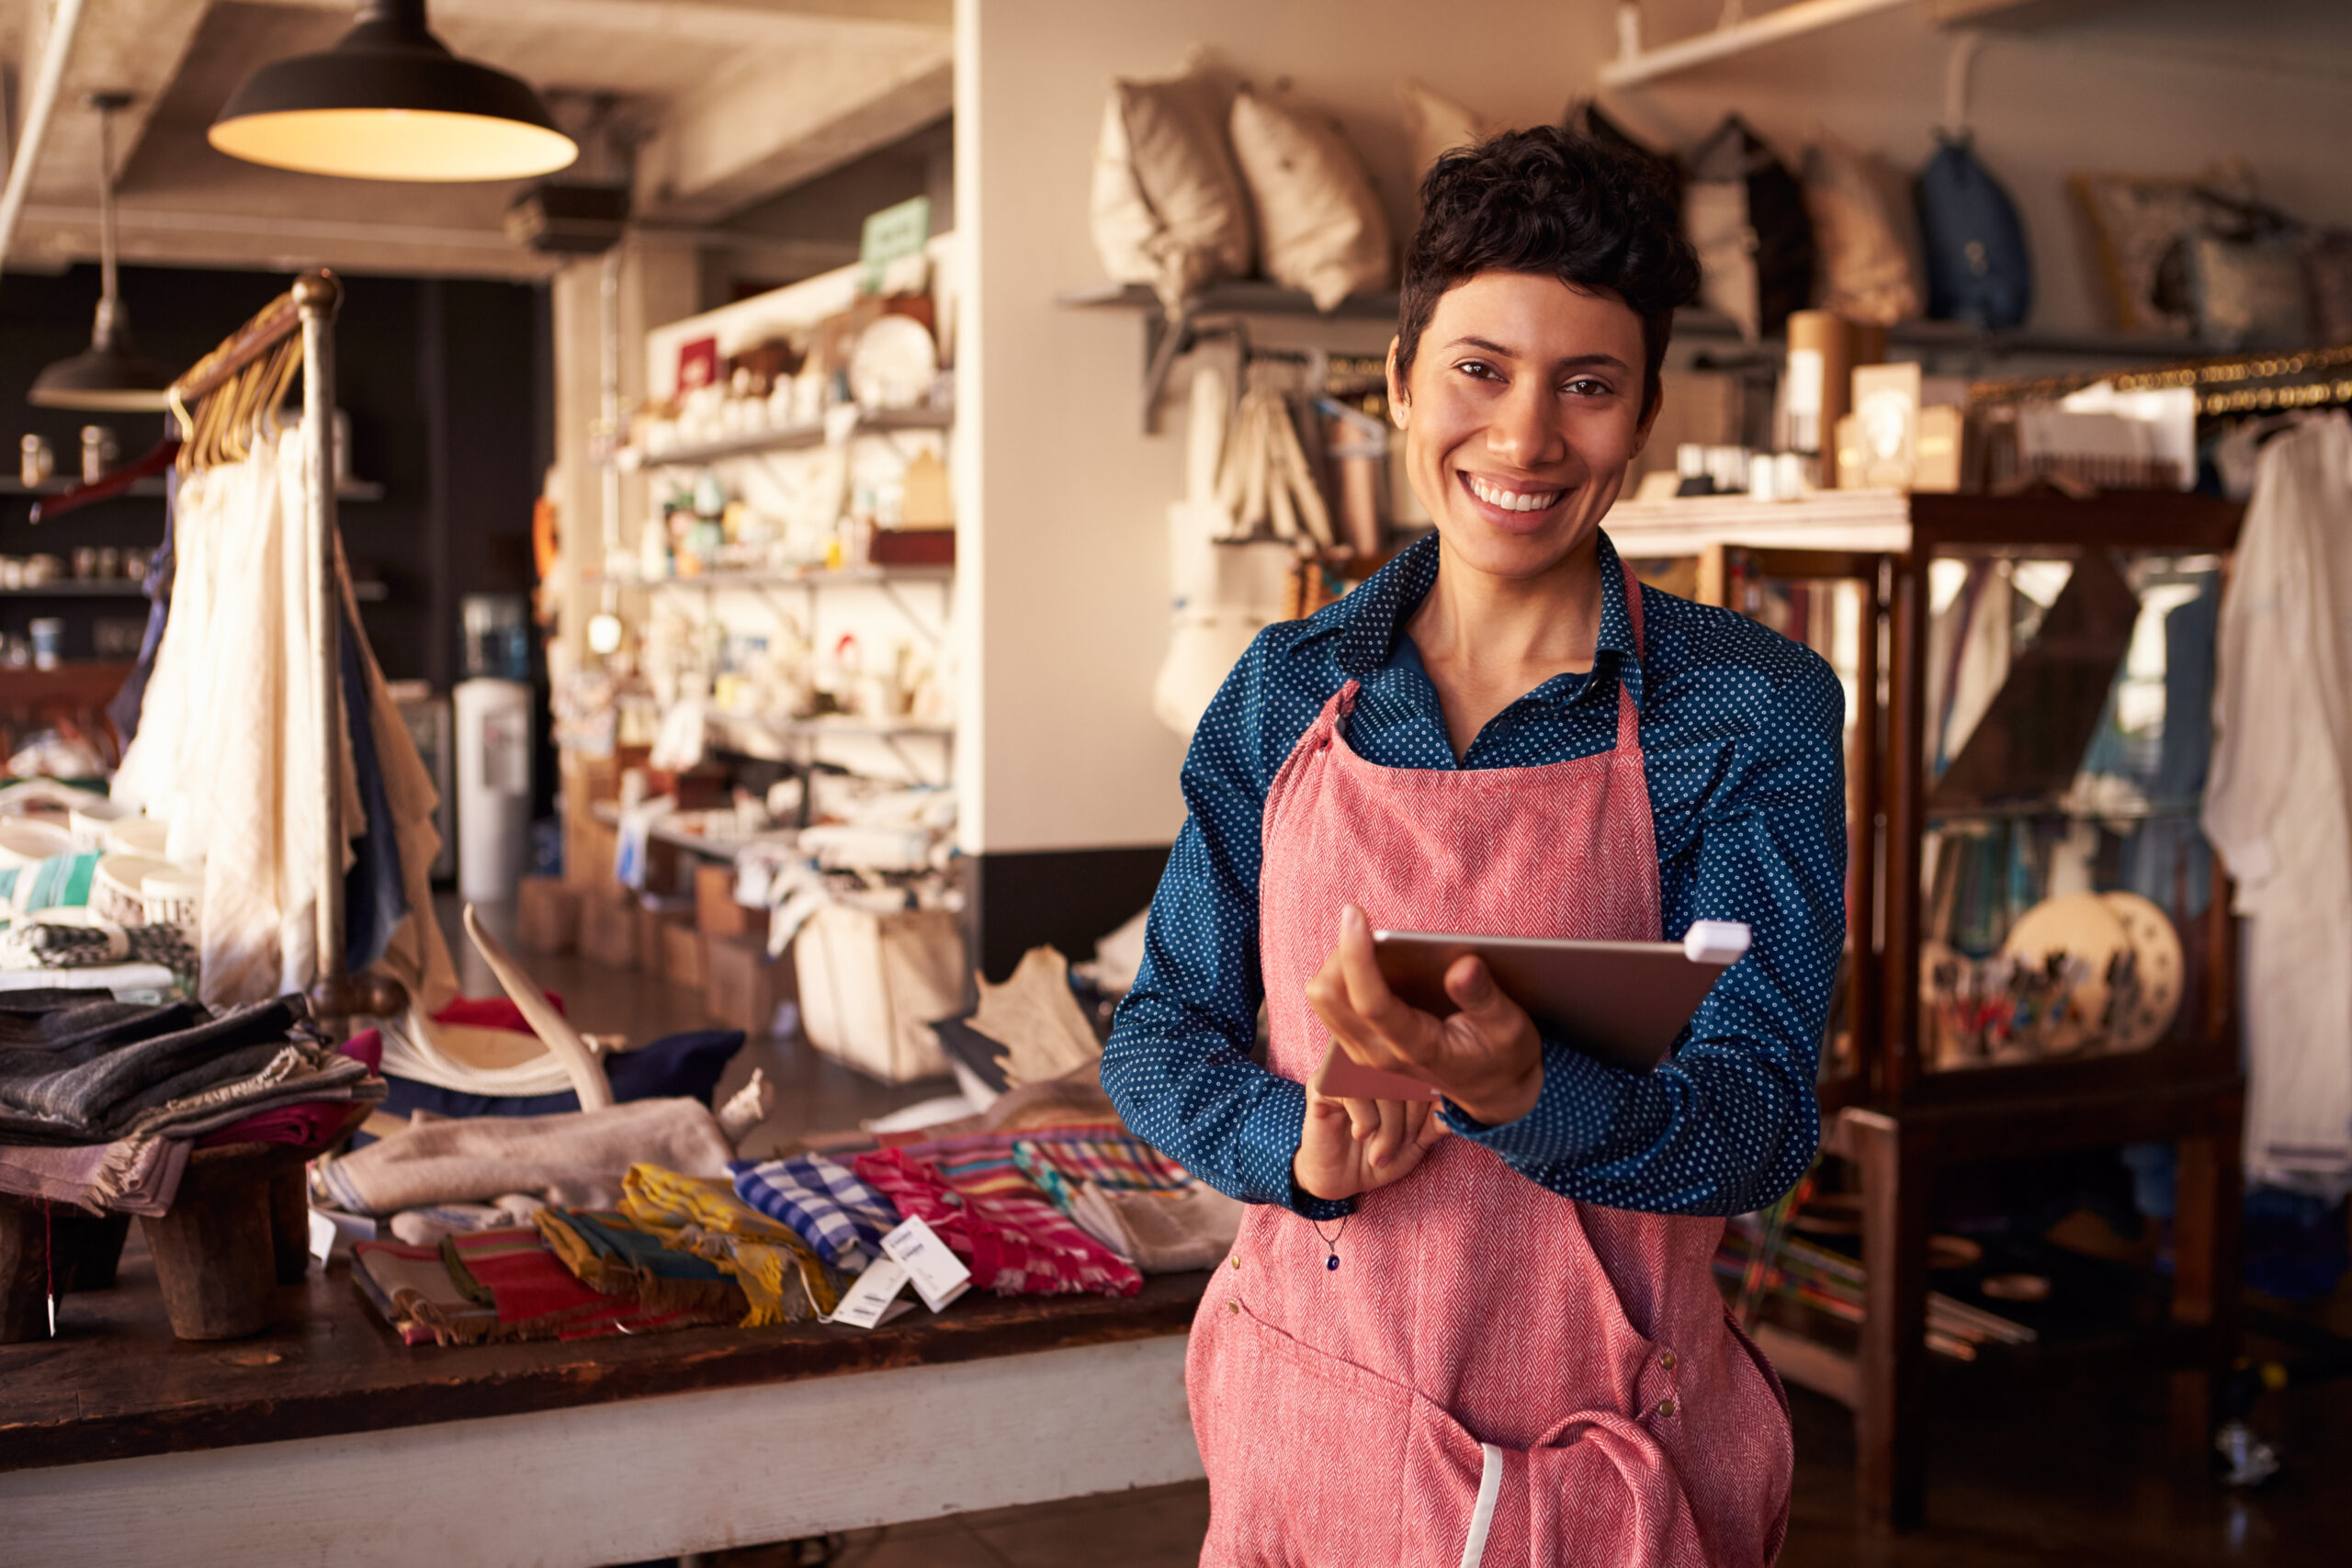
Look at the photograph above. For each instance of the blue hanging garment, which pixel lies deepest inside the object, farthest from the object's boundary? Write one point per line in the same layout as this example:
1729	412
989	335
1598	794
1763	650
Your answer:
1978	268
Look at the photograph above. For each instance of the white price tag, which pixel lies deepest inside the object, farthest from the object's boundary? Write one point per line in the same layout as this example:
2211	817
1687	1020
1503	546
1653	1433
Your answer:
938	1274
863	1305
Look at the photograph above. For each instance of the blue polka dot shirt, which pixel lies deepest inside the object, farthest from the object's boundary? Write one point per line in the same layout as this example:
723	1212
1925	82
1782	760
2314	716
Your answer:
1741	732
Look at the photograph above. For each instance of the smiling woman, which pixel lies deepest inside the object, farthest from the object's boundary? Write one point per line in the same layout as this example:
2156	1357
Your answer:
1500	734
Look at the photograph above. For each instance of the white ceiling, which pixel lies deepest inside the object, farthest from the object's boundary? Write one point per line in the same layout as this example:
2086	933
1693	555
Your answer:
727	103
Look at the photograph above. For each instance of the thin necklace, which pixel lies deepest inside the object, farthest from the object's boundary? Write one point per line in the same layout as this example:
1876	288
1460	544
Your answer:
1331	1242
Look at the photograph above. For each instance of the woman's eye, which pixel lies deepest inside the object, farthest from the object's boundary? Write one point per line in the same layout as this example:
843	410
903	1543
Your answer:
1585	387
1477	367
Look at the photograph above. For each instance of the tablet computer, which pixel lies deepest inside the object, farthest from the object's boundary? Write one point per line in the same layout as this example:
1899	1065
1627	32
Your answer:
1622	1002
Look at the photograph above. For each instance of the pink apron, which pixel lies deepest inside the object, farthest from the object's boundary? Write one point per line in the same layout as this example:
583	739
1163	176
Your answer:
1494	1374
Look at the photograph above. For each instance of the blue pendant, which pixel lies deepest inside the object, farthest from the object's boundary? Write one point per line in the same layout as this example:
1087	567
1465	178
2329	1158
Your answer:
1332	1261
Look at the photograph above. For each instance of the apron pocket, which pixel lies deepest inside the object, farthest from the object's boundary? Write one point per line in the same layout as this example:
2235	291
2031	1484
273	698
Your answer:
1305	1453
1314	1461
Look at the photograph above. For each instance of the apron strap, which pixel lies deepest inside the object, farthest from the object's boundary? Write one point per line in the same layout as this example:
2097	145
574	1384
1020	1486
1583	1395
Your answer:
1335	713
1629	718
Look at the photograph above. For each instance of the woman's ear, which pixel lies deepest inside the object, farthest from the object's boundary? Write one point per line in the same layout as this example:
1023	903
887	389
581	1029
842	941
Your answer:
1652	404
1400	407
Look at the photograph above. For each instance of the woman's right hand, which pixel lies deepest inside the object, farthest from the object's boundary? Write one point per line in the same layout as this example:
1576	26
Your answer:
1353	1146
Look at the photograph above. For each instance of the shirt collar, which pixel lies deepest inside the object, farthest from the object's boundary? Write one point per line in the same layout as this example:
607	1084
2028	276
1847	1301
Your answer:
1372	617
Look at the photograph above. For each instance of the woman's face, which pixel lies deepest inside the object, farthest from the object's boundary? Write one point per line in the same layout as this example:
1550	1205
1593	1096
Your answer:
1524	407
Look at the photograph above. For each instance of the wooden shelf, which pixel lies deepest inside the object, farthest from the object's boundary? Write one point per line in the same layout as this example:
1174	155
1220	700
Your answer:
1166	340
1893	522
1255	297
345	489
81	588
815	577
695	454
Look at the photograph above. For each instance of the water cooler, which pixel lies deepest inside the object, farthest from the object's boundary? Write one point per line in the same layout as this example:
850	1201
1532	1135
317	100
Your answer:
492	718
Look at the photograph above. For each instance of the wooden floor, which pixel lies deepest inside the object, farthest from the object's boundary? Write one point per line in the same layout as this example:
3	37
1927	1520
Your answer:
2077	1472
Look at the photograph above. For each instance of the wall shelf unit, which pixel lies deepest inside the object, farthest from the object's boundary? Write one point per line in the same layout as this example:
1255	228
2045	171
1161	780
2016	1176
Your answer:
1909	1104
1168	339
787	438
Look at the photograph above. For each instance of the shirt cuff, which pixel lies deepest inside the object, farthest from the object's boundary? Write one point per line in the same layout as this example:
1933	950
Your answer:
1571	1115
1276	1128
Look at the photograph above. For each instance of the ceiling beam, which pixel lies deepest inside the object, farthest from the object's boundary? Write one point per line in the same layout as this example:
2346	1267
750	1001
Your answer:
782	23
772	123
133	47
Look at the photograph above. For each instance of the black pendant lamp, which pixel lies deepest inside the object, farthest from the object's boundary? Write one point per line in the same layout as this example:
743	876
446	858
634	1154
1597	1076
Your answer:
107	376
390	102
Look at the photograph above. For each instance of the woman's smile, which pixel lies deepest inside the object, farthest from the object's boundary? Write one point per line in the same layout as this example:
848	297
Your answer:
1517	506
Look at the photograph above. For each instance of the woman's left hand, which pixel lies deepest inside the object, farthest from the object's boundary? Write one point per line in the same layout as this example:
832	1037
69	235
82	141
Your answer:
1487	1058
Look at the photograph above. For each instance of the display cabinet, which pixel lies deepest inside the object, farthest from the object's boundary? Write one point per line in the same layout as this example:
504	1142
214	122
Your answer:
2040	956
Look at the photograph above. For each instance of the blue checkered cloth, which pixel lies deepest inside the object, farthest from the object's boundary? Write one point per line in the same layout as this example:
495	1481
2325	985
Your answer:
831	1209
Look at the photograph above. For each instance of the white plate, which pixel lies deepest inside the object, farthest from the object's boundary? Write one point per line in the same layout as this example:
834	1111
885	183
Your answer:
893	365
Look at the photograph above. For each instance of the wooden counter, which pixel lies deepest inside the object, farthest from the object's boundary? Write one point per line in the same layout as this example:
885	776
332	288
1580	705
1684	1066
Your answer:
116	1438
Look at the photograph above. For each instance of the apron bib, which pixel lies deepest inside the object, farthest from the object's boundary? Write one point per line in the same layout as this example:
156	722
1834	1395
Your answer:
1495	1374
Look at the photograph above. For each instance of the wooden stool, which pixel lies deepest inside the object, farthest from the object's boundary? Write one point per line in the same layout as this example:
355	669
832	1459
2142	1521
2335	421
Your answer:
62	1249
217	1252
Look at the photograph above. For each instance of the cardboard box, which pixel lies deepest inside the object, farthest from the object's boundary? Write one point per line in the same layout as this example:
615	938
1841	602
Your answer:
682	955
548	916
588	849
608	923
716	911
655	917
871	986
743	987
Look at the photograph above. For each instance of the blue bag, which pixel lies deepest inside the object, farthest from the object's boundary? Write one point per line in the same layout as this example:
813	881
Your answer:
1978	268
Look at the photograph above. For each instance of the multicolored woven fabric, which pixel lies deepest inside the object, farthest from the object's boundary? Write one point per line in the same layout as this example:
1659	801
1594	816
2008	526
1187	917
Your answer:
1121	1164
59	881
778	1270
823	1202
539	1298
1014	1246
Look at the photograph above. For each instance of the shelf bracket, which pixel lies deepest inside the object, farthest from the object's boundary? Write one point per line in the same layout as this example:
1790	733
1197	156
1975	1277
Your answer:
1165	341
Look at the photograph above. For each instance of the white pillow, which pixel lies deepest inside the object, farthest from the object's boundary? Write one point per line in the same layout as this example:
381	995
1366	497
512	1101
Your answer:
1865	235
1169	207
1320	225
1435	125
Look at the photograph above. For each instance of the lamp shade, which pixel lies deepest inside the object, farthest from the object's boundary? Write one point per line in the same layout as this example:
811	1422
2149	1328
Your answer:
102	378
390	102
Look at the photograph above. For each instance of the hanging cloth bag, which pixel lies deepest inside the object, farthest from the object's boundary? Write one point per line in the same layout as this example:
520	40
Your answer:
1978	268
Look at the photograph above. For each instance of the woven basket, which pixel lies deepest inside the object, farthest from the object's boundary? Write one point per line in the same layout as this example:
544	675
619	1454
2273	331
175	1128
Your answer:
118	892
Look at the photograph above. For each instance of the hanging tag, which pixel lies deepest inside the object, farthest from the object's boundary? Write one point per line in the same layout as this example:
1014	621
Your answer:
939	1275
1715	941
870	1299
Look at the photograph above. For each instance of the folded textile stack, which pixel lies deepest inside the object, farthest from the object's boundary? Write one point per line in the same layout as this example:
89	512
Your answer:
90	1088
67	938
824	1203
498	1285
1134	1199
58	882
1013	1243
576	1159
782	1277
614	1256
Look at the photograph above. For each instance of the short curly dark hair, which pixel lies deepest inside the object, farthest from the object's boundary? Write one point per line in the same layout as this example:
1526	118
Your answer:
1553	202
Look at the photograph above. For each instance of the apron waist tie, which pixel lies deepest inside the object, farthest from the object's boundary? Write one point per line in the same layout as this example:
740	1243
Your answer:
1482	1517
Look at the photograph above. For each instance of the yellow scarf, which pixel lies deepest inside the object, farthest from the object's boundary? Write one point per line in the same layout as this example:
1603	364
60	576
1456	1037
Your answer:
702	1217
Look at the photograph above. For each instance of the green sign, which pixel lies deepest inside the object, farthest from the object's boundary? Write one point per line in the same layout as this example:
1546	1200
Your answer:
892	235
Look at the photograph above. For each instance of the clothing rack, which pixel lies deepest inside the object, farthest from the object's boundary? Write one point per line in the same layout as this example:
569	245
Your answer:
207	422
2259	382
